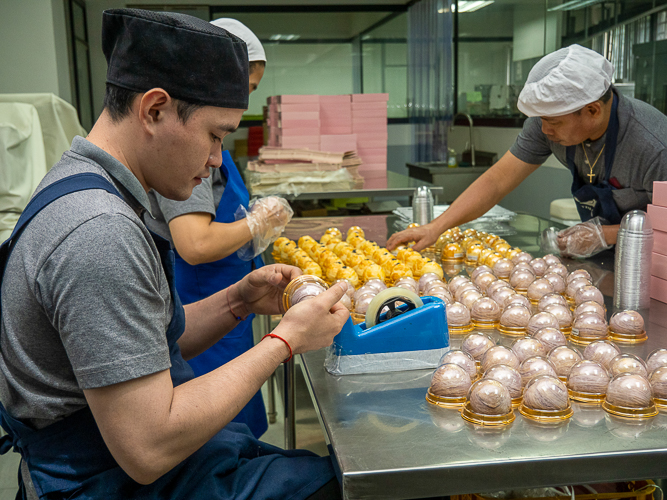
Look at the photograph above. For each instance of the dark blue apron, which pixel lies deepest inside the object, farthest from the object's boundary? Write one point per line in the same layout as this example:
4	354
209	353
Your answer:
69	458
198	282
597	199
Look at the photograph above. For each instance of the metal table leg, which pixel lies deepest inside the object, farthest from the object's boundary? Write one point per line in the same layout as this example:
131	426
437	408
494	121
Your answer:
272	413
290	406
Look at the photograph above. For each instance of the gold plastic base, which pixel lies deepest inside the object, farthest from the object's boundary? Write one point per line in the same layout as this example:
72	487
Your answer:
452	261
472	263
357	318
296	283
485	324
522	291
584	397
546	415
460	330
632	413
516	402
661	403
512	331
490	420
567	331
624	338
445	402
577	339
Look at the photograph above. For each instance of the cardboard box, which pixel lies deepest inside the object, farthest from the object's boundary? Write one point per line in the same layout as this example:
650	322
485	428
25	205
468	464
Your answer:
298	99
660	193
337	99
369	105
299	115
369	113
298	131
298	108
660	242
338	143
291	123
659	265
370	97
372	167
659	289
337	130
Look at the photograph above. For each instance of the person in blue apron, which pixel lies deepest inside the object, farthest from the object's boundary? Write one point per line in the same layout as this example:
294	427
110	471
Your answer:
207	238
614	146
97	396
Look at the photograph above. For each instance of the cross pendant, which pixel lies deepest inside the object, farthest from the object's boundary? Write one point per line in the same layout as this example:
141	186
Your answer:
590	177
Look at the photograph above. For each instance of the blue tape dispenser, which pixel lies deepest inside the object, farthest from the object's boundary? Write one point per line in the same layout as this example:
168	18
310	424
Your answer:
402	332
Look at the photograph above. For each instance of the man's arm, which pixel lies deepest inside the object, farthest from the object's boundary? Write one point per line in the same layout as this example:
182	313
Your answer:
199	239
151	426
475	201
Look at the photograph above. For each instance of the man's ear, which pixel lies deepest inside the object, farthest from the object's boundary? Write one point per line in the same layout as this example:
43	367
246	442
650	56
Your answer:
594	109
151	108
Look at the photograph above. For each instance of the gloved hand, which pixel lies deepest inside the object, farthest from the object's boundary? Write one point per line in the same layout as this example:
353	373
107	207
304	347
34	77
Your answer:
267	218
583	240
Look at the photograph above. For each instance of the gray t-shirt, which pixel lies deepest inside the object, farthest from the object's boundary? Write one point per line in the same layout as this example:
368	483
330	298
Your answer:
640	159
85	301
205	198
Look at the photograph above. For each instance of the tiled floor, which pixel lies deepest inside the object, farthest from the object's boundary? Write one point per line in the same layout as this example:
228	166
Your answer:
308	435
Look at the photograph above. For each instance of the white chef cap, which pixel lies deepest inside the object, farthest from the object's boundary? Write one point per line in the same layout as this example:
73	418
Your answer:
565	81
255	49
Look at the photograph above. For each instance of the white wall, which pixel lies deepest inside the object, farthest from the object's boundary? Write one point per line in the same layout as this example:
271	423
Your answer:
530	23
33	42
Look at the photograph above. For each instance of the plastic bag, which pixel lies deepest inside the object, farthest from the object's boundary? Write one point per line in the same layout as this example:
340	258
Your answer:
582	240
267	218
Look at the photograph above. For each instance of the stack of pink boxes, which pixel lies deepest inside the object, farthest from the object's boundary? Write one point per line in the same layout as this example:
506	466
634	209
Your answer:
334	123
658	215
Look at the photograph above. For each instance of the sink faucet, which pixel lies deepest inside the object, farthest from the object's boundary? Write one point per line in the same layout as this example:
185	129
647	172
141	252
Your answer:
472	145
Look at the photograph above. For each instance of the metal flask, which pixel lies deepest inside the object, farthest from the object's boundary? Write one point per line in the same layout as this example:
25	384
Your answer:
632	267
422	206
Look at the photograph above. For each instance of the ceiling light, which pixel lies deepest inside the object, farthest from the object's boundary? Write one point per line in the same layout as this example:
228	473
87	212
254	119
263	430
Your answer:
574	4
471	5
279	37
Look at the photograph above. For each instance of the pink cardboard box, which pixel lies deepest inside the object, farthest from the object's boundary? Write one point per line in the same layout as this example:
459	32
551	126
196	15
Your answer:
357	106
660	193
660	242
338	143
298	108
372	123
298	99
297	141
659	265
335	122
380	183
338	130
372	167
290	123
298	131
300	115
363	150
369	113
338	99
658	217
369	97
658	288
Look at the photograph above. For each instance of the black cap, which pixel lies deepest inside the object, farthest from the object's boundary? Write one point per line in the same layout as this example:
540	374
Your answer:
191	59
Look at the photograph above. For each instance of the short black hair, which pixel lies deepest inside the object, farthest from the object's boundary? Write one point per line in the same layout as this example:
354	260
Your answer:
118	102
253	65
606	96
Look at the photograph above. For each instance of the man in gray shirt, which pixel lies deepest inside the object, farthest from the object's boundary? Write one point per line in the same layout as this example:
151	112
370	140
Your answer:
96	394
615	147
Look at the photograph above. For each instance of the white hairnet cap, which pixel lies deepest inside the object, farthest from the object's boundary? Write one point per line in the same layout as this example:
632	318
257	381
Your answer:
565	81
255	49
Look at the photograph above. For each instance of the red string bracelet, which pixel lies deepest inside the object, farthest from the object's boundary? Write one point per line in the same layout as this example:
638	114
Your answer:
286	343
238	318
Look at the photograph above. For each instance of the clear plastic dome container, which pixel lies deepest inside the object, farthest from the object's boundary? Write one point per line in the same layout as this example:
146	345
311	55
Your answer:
469	297
588	293
520	279
551	299
303	288
466	287
502	268
522	257
545	399
407	283
362	303
590	306
491	289
588	328
463	359
479	270
482	281
502	294
541	320
523	265
563	359
458	319
602	351
588	381
630	395
485	313
510	378
558	269
364	290
551	259
499	355
449	386
441	293
514	319
489	403
517	298
557	282
528	347
346	301
627	363
535	366
563	315
456	282
538	289
658	381
376	283
579	273
550	337
476	344
452	253
656	359
426	279
539	266
574	286
627	327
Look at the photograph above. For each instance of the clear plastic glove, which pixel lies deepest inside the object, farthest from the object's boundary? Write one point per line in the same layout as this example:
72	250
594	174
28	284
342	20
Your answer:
267	218
582	241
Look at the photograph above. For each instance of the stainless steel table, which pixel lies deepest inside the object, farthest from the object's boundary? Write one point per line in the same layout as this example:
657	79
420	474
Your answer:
389	443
